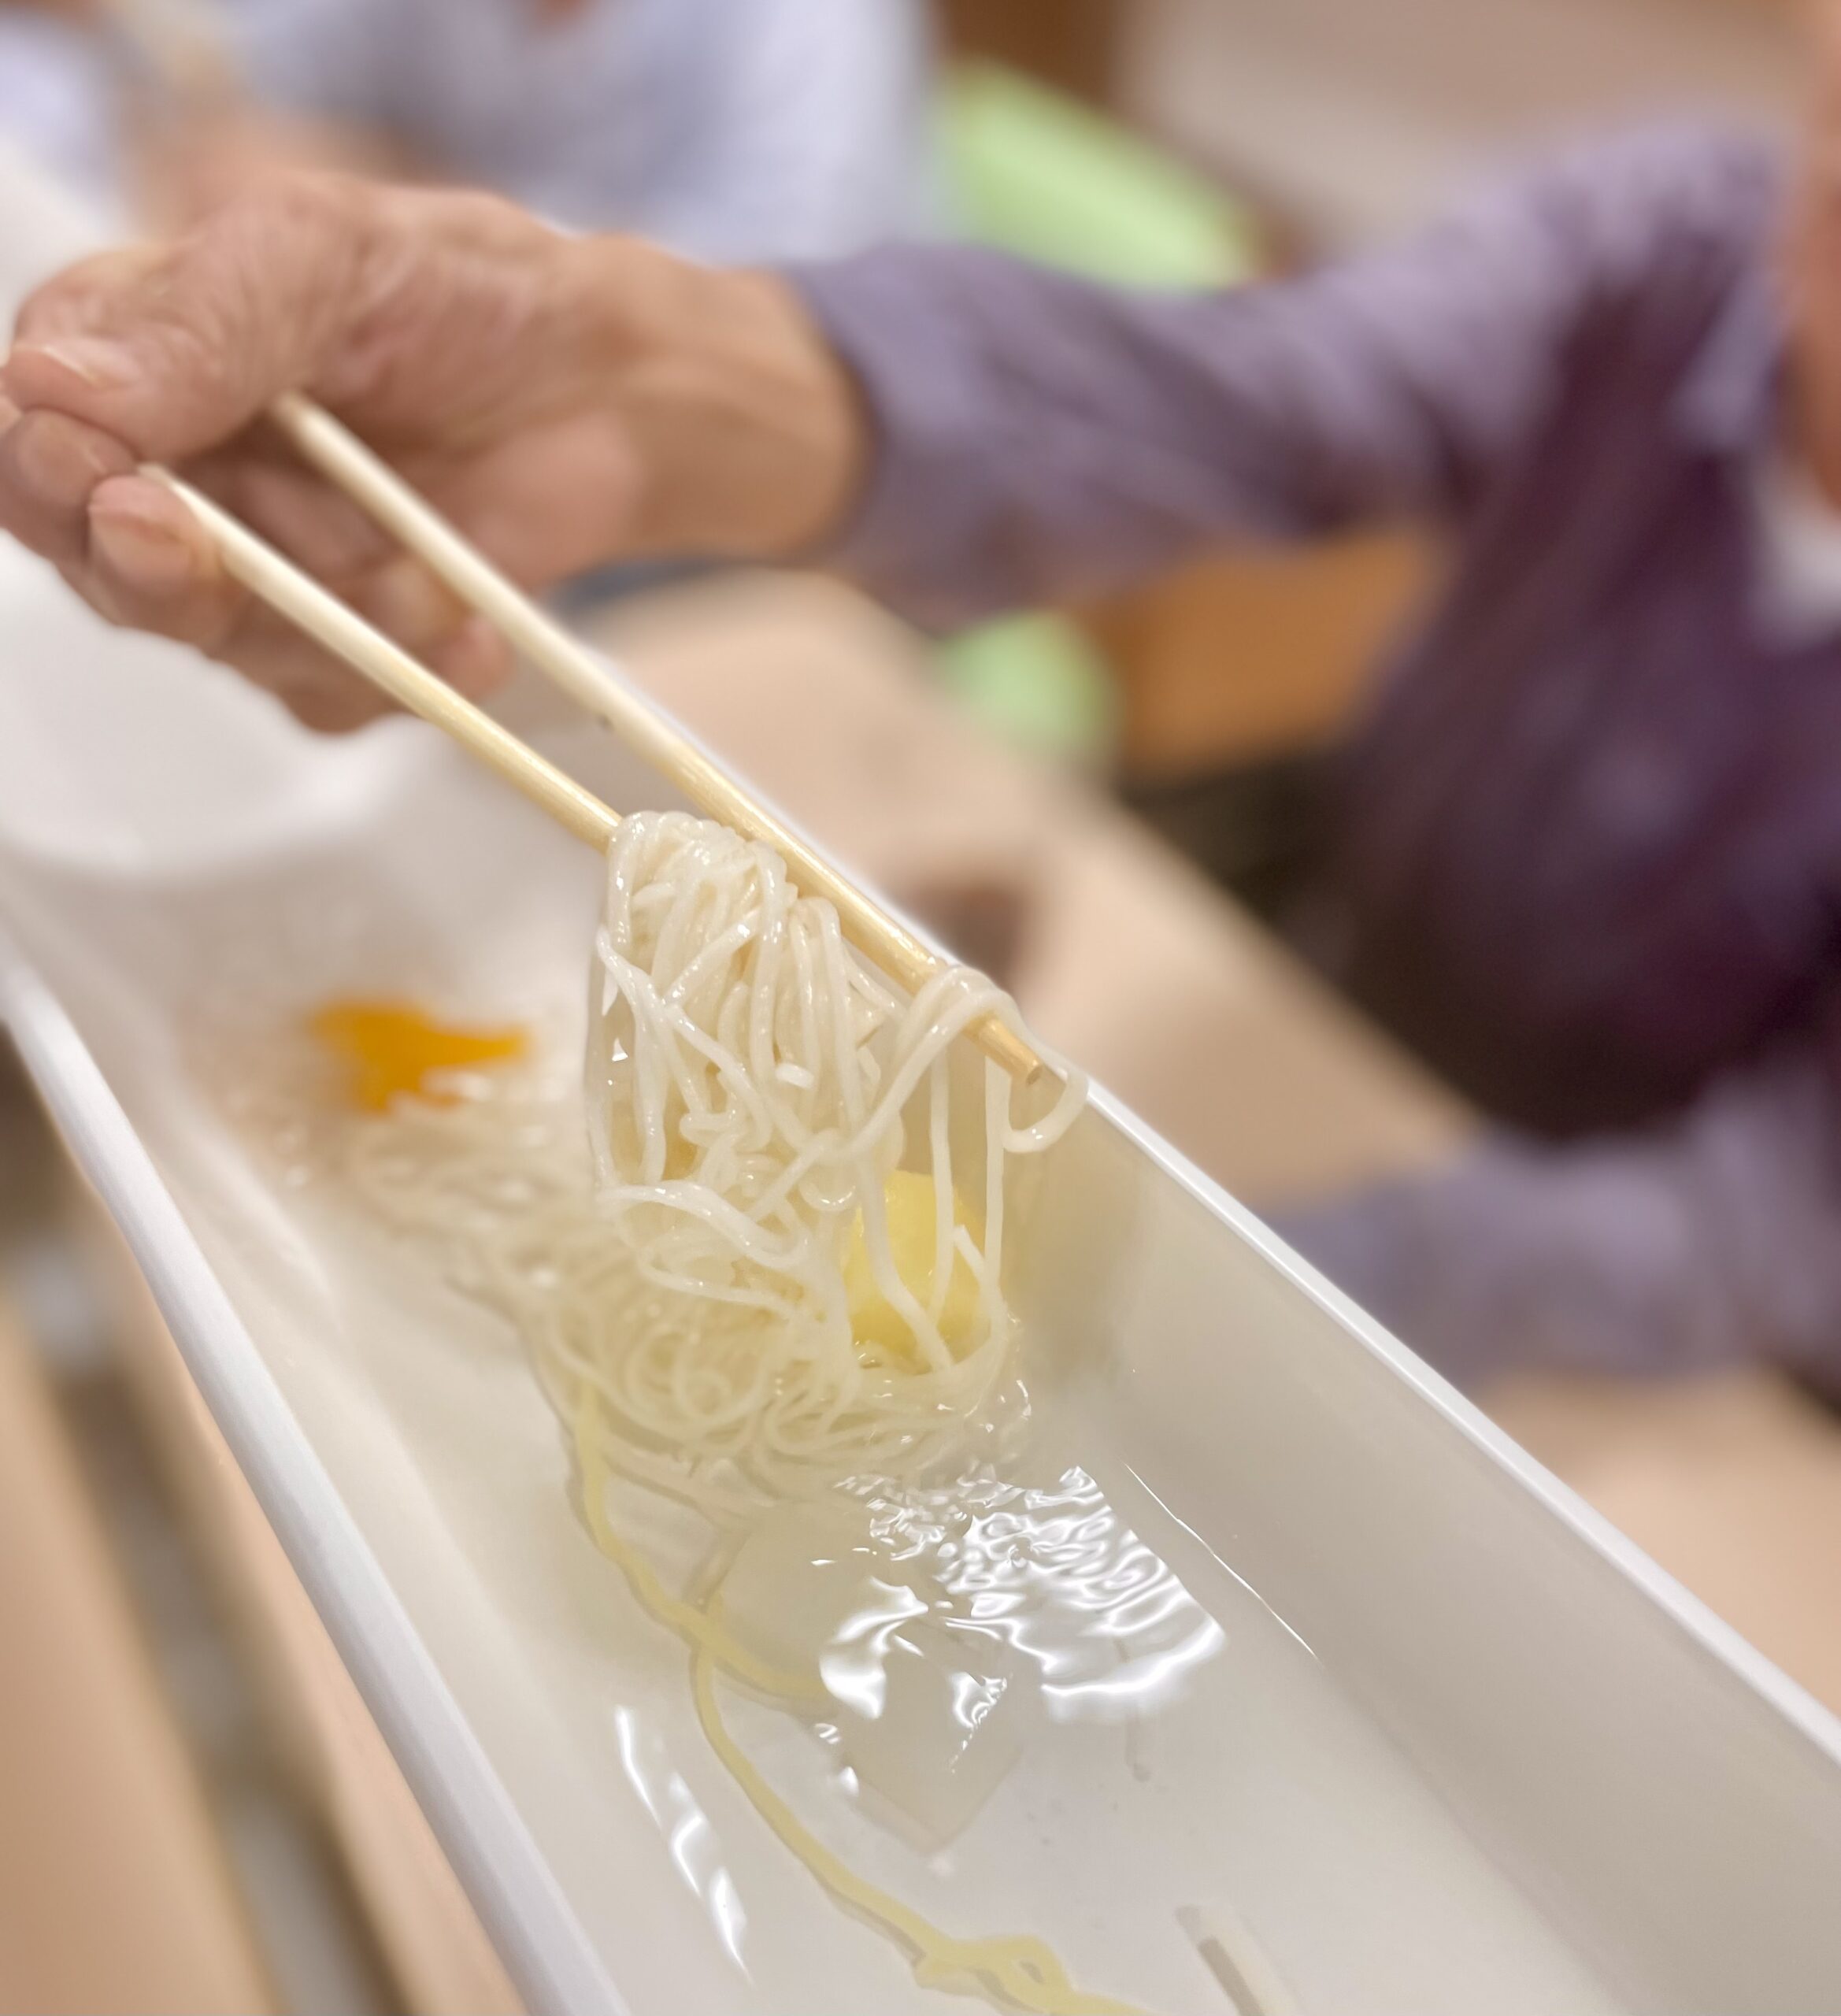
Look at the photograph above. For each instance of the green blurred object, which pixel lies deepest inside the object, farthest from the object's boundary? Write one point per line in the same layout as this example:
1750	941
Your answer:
1039	683
1031	171
1042	175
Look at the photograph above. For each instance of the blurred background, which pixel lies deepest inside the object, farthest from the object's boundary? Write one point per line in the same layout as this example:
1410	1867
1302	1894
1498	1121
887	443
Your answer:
195	1811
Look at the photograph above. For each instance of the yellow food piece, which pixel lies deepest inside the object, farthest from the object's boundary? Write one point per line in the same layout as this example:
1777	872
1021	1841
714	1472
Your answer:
391	1048
876	1323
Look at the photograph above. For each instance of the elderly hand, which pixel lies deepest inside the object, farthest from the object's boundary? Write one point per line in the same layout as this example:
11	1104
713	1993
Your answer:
565	401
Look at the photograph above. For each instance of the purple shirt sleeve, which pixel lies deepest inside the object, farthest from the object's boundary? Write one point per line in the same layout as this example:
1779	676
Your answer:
1039	435
1706	1242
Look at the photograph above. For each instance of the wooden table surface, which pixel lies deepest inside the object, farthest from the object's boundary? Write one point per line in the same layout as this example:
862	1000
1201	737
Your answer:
114	1891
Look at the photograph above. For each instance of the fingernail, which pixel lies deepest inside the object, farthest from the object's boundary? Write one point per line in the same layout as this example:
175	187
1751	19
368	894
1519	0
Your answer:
148	554
58	462
100	363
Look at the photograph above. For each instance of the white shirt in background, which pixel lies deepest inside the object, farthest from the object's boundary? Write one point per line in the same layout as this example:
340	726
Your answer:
732	129
57	105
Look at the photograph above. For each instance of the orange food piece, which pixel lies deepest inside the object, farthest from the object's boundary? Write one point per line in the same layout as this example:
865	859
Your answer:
393	1047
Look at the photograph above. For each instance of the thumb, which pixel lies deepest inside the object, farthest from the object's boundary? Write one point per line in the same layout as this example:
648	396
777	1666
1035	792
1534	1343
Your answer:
173	349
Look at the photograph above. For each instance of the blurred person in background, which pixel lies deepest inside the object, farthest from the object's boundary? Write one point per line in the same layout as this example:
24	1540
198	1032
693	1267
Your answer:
1584	850
58	96
727	129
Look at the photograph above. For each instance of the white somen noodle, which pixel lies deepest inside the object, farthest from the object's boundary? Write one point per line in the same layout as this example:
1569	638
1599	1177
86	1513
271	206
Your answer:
747	1081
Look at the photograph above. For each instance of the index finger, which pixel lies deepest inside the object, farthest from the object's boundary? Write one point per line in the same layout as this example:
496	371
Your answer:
171	349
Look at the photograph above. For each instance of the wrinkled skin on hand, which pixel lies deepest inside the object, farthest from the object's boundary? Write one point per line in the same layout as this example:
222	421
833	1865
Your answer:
565	401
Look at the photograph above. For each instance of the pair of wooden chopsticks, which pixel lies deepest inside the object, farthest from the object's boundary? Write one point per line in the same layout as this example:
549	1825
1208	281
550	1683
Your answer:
344	460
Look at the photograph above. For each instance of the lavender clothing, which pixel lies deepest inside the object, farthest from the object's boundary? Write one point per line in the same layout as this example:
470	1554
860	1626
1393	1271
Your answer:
1585	846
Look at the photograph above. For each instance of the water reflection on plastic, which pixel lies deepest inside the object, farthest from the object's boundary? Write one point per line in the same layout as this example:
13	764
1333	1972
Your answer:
686	1828
942	1624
